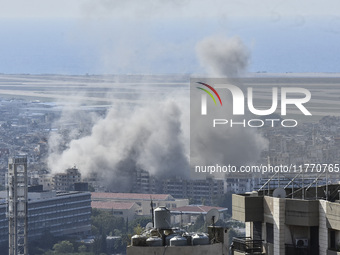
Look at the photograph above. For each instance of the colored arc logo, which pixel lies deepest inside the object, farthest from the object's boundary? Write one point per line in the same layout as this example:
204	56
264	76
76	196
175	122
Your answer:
209	93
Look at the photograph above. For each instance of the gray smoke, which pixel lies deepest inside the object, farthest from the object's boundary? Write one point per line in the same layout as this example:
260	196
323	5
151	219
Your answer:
222	56
151	137
155	136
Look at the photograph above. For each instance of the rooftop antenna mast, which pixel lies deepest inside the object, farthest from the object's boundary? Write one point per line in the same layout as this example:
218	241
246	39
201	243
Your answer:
152	216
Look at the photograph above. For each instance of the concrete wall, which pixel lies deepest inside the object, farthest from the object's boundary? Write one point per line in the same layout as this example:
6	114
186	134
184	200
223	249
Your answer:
247	208
333	215
279	225
302	212
268	209
215	249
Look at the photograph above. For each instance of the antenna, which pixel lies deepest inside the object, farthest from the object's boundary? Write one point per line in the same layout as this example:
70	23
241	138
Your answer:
212	217
152	217
149	226
279	192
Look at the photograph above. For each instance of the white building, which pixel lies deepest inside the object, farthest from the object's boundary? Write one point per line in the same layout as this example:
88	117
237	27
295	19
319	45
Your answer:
142	200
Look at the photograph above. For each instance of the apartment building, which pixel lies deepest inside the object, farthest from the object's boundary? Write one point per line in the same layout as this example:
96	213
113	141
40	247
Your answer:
143	201
202	190
65	181
280	222
60	213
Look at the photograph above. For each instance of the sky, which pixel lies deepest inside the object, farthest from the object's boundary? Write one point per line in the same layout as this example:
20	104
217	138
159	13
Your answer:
155	37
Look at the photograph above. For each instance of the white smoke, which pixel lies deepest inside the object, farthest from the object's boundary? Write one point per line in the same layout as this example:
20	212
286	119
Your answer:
222	56
155	136
151	137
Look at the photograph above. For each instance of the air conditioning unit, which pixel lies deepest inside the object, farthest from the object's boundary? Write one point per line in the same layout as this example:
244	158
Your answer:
301	242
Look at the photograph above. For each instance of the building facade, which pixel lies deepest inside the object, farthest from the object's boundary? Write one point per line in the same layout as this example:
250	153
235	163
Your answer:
201	191
143	201
66	181
67	213
303	224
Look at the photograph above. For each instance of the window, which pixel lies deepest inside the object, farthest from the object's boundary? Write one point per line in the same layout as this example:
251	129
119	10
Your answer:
332	239
257	230
269	233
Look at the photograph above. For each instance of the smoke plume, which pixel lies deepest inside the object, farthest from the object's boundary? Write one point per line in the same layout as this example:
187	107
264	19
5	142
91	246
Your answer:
149	137
222	56
155	136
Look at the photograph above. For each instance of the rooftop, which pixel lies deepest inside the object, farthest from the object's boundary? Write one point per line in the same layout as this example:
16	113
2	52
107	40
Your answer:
112	205
130	196
201	209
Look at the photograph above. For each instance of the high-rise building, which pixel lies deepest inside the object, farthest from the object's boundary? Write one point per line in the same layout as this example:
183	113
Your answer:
17	205
285	221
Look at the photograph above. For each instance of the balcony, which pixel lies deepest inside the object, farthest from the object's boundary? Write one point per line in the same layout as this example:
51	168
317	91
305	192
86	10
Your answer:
332	252
245	245
293	250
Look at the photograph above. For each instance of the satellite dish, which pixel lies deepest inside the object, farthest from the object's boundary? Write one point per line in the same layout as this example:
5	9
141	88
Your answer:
279	192
212	216
149	226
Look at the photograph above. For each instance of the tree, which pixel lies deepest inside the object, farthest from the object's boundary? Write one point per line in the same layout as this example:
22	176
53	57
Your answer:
199	225
142	221
138	230
105	222
63	247
82	248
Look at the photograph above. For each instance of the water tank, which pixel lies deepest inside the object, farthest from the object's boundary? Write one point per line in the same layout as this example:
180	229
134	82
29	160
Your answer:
178	241
138	240
167	239
178	231
154	241
162	218
200	239
188	237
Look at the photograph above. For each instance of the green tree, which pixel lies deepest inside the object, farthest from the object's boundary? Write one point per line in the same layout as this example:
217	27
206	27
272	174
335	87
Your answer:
138	221
199	225
105	222
138	230
82	248
63	247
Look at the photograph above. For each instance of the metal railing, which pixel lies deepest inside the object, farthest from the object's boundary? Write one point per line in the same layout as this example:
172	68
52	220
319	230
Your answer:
247	245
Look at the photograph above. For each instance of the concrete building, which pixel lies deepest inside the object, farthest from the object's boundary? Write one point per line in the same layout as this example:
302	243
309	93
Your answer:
188	214
216	249
66	181
288	224
240	183
142	200
202	191
62	213
17	205
163	239
127	210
